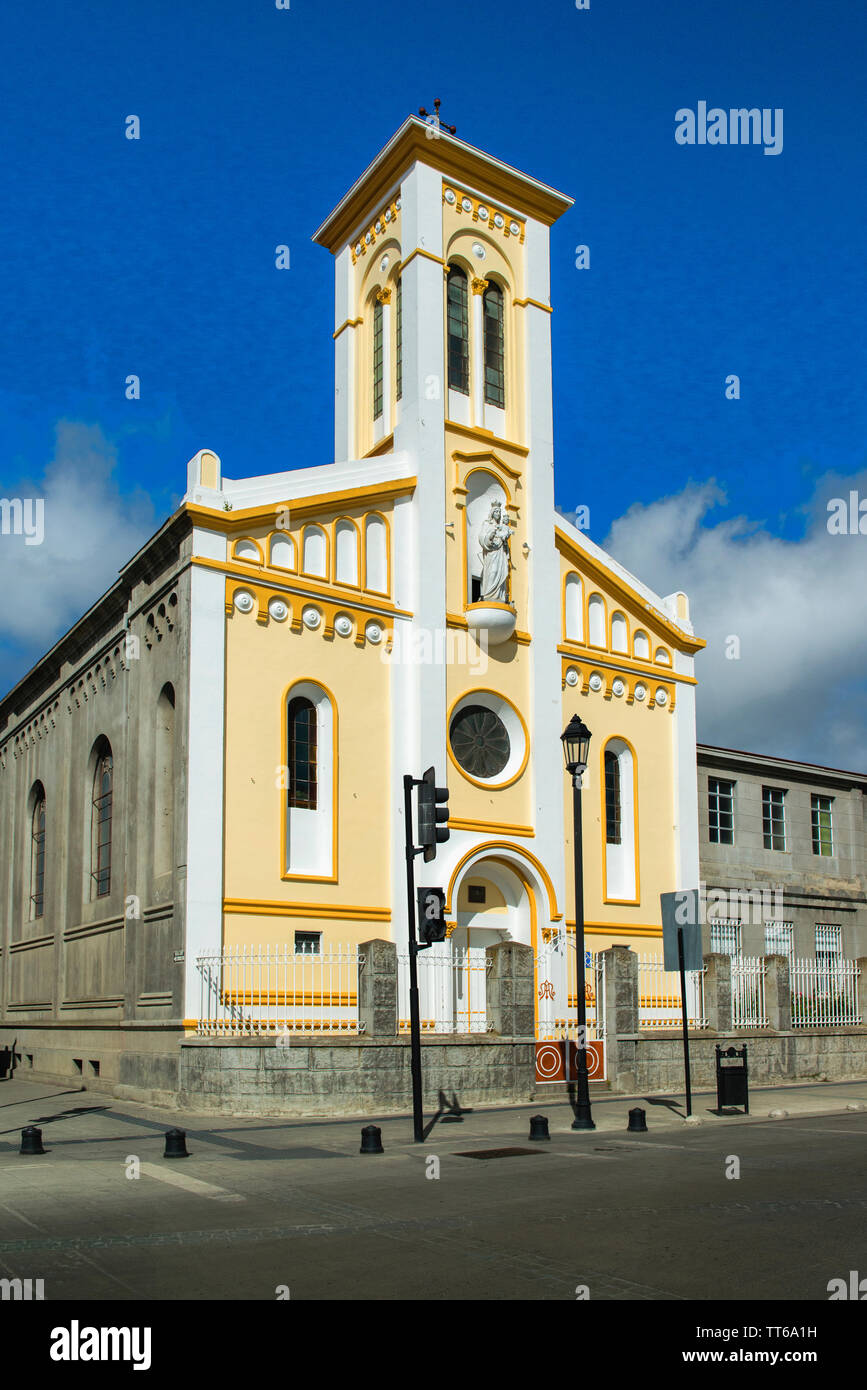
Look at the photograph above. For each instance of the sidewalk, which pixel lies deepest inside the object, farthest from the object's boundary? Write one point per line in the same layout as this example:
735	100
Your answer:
26	1102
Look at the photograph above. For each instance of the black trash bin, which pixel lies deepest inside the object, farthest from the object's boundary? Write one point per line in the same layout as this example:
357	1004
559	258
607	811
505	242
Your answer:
732	1086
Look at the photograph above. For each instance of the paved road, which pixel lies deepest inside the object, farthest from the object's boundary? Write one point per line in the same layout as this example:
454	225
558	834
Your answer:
270	1203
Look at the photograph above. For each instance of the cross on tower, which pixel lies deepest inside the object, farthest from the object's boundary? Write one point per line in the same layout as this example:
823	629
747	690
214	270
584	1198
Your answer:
435	118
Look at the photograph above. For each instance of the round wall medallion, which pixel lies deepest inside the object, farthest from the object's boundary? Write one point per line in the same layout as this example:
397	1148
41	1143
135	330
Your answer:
383	265
661	696
480	741
514	228
312	617
358	248
571	676
483	214
367	238
618	687
243	600
388	214
498	220
343	625
450	195
373	632
479	250
640	691
596	681
466	204
278	610
378	226
397	203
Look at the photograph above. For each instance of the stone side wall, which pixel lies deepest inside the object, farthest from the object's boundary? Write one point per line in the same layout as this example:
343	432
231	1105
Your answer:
335	1076
651	1063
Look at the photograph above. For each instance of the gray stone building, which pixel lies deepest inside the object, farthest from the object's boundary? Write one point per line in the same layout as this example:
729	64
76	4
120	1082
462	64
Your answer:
93	835
782	856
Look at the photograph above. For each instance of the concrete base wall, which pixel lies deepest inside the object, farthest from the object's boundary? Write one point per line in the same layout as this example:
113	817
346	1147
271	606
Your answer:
133	1063
328	1076
654	1063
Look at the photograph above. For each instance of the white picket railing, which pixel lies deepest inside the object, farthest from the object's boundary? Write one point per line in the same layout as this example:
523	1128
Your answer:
452	989
256	990
659	998
824	993
748	992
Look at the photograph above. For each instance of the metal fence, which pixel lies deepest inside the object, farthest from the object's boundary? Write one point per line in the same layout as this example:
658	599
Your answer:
255	990
659	998
557	1002
748	992
824	992
452	989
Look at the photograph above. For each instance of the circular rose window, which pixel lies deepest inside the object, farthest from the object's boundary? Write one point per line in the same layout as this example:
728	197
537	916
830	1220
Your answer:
480	741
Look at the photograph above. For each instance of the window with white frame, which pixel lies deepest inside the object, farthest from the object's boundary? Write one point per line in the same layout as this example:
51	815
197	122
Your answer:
774	818
780	939
720	811
725	935
820	817
829	941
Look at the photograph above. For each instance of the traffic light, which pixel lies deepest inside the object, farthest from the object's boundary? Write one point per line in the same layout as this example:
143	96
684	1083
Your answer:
431	916
433	812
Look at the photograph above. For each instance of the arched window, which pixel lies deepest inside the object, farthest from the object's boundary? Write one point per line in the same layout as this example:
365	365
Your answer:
619	633
100	821
495	352
309	820
621	822
596	618
302	744
398	341
315	552
37	853
346	557
458	331
164	782
574	609
612	798
283	552
376	555
377	359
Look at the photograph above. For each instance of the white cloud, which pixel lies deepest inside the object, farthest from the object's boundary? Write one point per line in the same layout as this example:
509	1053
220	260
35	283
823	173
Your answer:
91	530
797	606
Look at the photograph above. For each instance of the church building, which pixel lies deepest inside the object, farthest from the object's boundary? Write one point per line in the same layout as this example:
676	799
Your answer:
213	756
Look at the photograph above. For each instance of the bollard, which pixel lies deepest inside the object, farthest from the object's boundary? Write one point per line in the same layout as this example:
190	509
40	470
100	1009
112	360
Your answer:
31	1140
637	1122
539	1127
176	1144
371	1140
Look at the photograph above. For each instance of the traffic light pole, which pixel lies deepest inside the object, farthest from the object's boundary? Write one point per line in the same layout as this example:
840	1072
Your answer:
414	1016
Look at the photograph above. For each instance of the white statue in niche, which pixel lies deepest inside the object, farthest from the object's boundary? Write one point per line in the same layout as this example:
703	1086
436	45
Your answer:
495	534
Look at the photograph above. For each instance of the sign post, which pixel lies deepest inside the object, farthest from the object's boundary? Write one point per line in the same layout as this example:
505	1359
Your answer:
681	943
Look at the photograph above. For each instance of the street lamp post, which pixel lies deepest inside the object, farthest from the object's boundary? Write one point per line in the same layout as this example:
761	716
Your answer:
576	744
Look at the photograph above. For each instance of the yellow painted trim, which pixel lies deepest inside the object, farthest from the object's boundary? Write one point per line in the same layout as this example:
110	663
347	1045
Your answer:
491	827
277	580
521	850
617	929
420	251
488	786
285	873
484	436
348	323
622	665
261	907
219	520
385	446
625	593
251	540
537	304
625	902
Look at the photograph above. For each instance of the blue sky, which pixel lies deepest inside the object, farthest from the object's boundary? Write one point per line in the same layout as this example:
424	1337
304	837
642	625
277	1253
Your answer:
156	257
